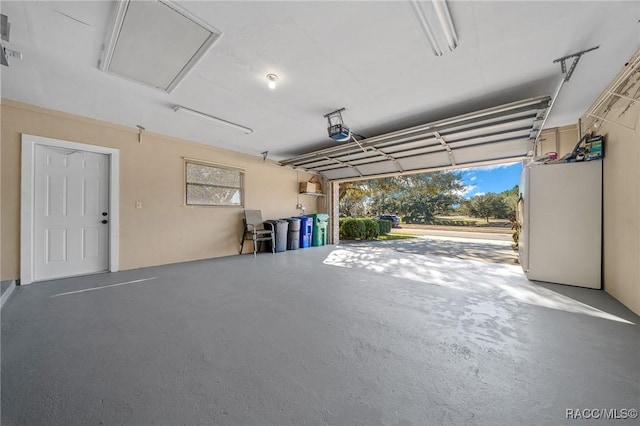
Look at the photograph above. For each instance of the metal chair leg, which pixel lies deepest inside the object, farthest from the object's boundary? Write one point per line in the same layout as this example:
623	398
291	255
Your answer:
255	245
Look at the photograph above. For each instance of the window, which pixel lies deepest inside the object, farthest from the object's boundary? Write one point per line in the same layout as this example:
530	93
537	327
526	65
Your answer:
212	185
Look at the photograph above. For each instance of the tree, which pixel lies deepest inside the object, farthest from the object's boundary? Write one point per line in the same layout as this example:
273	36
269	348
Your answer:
511	197
352	197
417	198
487	206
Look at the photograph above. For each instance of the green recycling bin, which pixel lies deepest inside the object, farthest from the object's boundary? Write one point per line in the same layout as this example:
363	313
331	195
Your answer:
320	222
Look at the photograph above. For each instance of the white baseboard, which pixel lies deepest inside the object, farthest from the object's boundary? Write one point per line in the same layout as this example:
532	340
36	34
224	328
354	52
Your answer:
7	293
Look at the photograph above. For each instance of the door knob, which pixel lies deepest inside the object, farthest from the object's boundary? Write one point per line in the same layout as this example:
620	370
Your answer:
105	221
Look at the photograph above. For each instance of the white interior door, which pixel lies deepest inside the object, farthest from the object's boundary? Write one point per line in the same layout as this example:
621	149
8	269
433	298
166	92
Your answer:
70	212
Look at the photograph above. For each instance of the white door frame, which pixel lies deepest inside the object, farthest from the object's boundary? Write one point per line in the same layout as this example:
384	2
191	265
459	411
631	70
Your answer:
27	196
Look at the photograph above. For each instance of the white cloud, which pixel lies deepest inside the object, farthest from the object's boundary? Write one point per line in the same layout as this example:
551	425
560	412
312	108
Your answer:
490	167
466	190
472	178
496	166
477	194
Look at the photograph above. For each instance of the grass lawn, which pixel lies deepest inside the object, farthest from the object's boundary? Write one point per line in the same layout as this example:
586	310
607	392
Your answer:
468	221
396	236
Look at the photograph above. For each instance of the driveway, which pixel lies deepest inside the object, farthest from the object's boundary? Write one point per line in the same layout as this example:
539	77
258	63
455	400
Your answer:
486	247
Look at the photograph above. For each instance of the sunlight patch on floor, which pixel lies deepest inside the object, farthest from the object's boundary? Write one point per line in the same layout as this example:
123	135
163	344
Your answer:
460	274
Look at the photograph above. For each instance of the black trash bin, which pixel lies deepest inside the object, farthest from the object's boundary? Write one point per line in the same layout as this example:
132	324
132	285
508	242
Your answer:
293	235
279	228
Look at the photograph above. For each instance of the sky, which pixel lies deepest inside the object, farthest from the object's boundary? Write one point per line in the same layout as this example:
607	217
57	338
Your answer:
495	178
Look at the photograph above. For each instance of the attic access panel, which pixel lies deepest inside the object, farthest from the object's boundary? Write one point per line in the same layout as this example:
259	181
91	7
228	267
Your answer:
155	43
504	133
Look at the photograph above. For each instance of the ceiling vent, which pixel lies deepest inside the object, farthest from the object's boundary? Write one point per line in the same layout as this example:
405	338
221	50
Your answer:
155	43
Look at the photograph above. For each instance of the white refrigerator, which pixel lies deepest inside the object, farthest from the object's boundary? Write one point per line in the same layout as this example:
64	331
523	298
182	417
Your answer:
560	214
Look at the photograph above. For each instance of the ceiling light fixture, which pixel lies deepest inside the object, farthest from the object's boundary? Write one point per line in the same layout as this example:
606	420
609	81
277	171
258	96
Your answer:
272	80
444	17
213	119
448	32
417	9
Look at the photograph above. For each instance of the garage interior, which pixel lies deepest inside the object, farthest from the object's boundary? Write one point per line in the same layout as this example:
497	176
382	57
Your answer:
183	330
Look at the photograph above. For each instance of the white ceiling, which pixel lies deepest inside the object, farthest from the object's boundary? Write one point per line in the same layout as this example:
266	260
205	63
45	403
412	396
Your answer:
368	56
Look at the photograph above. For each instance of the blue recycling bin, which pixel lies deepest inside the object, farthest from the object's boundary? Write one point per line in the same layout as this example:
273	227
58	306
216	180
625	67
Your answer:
306	231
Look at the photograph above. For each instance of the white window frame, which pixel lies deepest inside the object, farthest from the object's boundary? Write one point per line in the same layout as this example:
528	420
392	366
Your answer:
217	166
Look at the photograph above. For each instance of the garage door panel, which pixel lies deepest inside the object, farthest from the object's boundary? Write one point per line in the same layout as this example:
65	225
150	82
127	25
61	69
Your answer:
487	127
413	143
357	155
491	152
434	159
381	167
515	135
343	173
317	163
413	152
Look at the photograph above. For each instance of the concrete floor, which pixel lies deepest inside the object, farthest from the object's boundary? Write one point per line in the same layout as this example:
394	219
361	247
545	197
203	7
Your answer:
341	335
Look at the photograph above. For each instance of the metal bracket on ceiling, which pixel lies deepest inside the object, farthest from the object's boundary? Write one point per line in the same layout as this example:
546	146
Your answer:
264	155
533	144
140	130
446	147
576	57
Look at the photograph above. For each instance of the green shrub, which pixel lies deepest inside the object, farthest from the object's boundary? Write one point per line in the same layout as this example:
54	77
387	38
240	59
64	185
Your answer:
371	228
363	228
384	226
352	229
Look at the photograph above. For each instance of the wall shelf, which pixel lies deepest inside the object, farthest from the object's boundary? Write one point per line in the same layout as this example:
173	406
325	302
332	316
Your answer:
618	104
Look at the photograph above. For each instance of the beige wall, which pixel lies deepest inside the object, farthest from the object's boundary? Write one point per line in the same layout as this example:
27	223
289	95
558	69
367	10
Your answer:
621	198
621	193
164	230
559	139
621	215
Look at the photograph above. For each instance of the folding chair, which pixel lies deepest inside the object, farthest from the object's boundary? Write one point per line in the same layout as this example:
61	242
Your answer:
254	230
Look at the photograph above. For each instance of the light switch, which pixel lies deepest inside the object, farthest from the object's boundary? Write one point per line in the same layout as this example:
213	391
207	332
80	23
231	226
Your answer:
138	204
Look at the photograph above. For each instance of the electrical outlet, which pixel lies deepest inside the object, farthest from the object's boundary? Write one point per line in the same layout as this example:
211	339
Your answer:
299	206
138	204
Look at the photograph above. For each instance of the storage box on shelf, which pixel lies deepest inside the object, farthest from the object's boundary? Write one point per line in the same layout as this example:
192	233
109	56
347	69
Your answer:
310	188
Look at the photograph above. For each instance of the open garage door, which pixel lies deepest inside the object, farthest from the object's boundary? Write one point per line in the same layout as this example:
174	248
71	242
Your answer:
499	134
